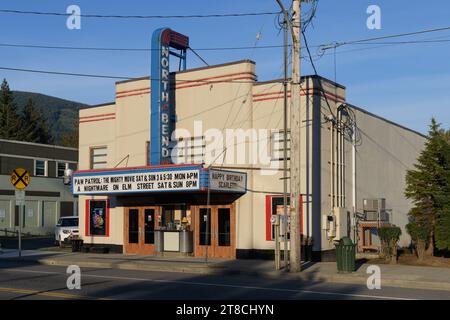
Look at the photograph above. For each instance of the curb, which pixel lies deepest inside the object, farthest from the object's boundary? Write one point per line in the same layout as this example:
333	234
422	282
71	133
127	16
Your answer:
218	270
133	266
358	280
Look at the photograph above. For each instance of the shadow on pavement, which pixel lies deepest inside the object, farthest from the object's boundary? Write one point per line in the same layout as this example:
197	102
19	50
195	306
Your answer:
33	243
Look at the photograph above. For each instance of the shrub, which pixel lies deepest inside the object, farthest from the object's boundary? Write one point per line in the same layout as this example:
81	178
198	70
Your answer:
419	235
389	237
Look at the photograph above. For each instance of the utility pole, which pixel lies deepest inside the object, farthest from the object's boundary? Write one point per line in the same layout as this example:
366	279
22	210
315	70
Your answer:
21	213
286	24
285	146
295	241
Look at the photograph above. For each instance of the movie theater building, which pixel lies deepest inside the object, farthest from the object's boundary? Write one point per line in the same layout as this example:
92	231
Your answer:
191	162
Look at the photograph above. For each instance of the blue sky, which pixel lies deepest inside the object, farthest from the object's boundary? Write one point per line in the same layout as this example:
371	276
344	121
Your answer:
405	83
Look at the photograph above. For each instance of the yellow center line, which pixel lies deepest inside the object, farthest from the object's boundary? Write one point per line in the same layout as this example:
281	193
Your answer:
49	294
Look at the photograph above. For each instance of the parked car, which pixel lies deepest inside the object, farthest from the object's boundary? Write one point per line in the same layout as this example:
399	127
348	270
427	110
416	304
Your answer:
66	227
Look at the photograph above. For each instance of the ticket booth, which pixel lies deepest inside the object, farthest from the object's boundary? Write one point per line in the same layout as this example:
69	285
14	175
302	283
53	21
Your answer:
185	229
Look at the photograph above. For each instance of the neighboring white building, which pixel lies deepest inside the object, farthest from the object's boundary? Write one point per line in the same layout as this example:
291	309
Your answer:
47	197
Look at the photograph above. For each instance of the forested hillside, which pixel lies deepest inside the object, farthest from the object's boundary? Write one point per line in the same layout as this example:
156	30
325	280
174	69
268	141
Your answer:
61	115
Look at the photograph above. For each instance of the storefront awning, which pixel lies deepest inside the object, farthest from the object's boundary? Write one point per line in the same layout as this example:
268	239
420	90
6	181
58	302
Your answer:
158	179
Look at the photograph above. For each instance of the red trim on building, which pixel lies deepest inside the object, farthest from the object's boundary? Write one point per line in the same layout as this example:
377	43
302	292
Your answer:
268	216
305	92
98	116
214	82
95	120
217	77
134	93
132	90
269	93
190	83
86	219
107	218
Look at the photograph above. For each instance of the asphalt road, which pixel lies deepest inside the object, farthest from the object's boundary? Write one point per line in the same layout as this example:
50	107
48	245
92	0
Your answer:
49	282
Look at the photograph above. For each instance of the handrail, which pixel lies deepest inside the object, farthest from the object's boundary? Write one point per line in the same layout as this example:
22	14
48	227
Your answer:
5	231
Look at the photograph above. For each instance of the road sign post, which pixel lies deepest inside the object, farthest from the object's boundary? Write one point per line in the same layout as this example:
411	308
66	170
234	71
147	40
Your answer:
20	202
20	179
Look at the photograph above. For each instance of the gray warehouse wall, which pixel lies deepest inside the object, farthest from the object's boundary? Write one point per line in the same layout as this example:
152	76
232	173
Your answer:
385	153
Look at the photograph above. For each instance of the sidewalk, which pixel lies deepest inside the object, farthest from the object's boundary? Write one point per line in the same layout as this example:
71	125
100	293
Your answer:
391	275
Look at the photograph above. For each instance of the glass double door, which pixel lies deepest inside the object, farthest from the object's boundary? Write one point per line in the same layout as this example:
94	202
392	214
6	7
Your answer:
215	231
140	226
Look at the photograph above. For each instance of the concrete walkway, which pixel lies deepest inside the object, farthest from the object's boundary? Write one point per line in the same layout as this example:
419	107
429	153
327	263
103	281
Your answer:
391	275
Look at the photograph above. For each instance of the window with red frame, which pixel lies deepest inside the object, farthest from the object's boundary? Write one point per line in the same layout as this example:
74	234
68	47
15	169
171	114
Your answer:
274	206
97	217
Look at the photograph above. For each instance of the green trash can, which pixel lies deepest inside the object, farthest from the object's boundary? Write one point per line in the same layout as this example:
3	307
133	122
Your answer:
76	245
345	255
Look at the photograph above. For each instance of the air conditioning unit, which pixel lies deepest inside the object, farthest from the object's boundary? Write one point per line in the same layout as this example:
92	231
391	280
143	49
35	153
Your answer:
373	216
374	204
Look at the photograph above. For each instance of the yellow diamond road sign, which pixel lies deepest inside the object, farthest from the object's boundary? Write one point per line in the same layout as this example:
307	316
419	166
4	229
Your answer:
20	178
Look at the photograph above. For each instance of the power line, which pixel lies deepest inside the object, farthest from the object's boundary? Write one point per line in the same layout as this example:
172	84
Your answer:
367	41
338	44
237	92
322	90
316	73
400	35
67	73
208	110
31	46
221	15
198	56
378	45
406	42
118	77
240	48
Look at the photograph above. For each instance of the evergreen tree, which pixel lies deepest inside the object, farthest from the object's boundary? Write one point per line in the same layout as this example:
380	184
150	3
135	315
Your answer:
71	139
35	127
43	133
447	136
442	232
29	118
10	124
426	184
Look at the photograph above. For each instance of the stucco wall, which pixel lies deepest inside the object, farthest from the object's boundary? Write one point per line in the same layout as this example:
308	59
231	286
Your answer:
97	129
385	153
206	95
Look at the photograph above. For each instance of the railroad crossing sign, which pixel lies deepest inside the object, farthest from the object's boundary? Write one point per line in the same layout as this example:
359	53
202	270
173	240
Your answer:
20	178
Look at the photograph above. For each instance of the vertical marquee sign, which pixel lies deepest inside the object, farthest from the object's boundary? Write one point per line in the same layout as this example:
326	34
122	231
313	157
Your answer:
162	109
